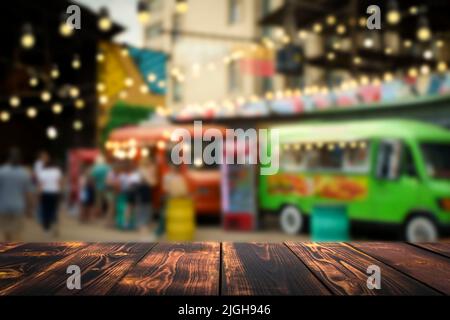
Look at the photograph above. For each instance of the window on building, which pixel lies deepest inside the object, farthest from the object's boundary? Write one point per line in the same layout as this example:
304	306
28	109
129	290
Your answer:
234	77
235	11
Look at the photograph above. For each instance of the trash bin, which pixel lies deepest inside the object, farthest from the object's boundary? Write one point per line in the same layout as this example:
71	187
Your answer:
330	223
180	219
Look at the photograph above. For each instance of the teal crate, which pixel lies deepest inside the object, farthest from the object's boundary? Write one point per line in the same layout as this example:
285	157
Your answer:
330	223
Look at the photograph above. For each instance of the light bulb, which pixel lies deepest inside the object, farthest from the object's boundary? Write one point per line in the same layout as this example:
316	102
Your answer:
5	116
46	96
78	125
65	29
104	22
79	104
27	39
32	112
55	72
52	133
57	108
182	6
14	101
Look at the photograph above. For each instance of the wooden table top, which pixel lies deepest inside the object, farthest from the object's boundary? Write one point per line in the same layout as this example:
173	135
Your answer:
224	268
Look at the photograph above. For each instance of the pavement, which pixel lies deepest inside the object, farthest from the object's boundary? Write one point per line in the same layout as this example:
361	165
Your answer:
70	229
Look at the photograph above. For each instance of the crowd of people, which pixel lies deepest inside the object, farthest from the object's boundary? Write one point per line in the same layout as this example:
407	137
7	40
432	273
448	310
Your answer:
122	194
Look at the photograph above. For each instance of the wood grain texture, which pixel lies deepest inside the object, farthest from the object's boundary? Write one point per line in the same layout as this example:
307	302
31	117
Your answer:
425	266
22	262
174	269
4	247
343	270
101	265
442	248
265	269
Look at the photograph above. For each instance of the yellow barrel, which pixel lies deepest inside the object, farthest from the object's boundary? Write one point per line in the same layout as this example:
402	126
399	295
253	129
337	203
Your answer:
180	219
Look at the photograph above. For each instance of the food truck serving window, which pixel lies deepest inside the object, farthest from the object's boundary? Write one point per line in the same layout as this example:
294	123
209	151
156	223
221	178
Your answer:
437	159
344	157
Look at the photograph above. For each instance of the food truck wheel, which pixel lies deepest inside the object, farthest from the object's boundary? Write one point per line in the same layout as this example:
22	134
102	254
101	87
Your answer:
420	229
291	220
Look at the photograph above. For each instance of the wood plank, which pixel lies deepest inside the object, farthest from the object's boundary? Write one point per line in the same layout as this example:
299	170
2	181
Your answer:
174	269
343	270
101	265
266	269
22	262
425	266
4	247
442	248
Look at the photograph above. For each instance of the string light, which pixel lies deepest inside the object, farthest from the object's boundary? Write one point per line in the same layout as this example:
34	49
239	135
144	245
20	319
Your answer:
65	29
78	125
407	43
46	96
428	54
57	108
317	28
74	92
144	89
331	20
341	29
103	99
104	21
27	40
32	112
79	104
302	34
181	6
368	42
151	77
76	62
14	101
393	15
442	66
100	57
143	12
413	10
52	133
33	82
54	73
423	32
425	69
101	87
5	116
129	82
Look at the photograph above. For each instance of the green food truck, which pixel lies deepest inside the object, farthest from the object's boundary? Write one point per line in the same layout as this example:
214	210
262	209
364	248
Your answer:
385	172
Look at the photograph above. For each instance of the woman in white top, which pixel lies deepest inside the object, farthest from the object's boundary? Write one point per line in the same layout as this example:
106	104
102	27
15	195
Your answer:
50	186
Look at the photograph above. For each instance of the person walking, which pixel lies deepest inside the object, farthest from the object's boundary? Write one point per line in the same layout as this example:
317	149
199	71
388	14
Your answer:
50	181
143	209
99	174
16	189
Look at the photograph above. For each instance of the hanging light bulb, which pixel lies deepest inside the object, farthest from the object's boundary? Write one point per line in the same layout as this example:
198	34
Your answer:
151	77
14	101
331	20
442	66
368	42
76	62
407	43
143	12
423	31
317	28
101	87
129	82
428	54
341	29
104	21
79	104
52	133
5	116
32	112
46	96
425	70
181	6
393	16
77	125
74	92
57	108
100	57
27	40
65	29
54	73
144	89
33	81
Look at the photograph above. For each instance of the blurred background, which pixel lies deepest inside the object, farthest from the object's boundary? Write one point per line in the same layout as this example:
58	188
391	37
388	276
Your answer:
91	91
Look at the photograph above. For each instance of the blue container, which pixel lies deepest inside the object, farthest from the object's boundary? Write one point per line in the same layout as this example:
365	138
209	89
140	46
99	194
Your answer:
330	223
